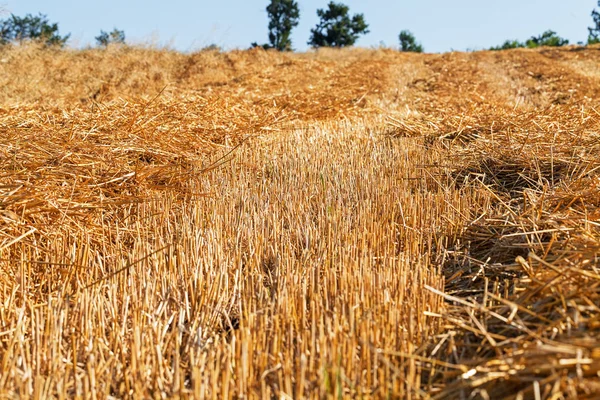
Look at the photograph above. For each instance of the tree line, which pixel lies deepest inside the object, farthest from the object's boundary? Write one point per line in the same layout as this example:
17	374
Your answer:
38	28
337	27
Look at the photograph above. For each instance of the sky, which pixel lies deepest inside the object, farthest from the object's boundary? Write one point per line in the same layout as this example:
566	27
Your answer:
189	25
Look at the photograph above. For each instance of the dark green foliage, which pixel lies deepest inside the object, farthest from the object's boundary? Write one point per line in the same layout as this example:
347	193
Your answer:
30	27
336	28
114	37
509	44
594	31
408	42
548	38
265	46
284	15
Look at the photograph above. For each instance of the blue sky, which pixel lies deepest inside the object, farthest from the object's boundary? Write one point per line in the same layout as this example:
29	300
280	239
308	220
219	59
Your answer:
440	25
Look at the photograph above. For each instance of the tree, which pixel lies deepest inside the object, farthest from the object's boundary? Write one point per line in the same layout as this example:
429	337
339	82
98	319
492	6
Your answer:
408	42
336	28
284	15
548	38
30	27
594	32
114	37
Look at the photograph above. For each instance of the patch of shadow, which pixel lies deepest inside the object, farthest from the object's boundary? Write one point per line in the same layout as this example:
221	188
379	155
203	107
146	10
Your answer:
511	175
229	323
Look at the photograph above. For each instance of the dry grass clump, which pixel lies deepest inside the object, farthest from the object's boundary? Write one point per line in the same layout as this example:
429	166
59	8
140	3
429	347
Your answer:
332	224
524	289
62	169
303	87
522	280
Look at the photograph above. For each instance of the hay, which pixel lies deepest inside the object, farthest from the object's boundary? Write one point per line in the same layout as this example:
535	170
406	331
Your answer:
331	224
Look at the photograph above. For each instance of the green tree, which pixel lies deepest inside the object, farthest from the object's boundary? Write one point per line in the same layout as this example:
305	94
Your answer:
114	37
548	38
284	15
408	42
336	28
594	32
30	27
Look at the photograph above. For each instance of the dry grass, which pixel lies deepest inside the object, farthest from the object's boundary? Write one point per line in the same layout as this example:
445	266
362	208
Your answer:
323	225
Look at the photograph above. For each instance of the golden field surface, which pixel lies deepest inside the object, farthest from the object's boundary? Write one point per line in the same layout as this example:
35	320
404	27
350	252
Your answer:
334	224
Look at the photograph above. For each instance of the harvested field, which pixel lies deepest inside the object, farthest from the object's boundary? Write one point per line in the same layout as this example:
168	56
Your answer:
335	224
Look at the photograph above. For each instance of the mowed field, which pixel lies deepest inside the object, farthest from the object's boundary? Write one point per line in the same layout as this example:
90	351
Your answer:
336	224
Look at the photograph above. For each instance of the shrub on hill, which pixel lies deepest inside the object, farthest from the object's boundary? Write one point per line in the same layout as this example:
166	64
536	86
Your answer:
509	44
408	42
212	47
114	37
548	38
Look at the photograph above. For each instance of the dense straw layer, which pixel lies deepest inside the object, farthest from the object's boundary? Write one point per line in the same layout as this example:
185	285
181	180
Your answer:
330	224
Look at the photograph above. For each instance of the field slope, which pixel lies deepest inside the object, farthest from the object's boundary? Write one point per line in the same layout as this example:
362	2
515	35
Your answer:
335	224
